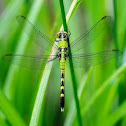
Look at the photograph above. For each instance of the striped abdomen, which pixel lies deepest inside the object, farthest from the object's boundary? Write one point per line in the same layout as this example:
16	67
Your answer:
62	57
62	90
62	67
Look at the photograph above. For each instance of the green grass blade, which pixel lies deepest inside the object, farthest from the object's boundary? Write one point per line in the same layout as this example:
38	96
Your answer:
74	83
115	23
124	48
2	123
63	15
11	114
110	98
81	92
115	29
72	10
8	15
8	88
117	115
40	97
102	88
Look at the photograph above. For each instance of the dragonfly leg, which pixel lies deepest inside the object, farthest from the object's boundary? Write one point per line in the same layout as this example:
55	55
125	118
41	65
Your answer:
56	40
69	33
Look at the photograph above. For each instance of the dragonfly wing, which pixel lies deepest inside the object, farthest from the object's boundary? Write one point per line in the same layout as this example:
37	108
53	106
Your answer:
88	60
28	61
38	37
86	39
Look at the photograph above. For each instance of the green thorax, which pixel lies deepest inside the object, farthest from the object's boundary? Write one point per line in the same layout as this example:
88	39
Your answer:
62	44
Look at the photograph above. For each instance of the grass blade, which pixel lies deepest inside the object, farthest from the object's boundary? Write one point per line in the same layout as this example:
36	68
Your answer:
72	10
11	114
115	23
20	50
115	29
117	115
9	14
72	113
111	97
74	83
102	88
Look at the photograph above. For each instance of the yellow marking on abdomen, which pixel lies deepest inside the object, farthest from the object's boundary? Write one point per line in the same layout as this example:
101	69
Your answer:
62	79
62	74
62	87
62	95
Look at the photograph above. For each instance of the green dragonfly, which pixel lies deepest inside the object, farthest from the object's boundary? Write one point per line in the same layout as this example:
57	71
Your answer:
60	46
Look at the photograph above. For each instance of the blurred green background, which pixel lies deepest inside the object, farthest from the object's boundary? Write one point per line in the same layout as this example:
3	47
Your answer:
101	90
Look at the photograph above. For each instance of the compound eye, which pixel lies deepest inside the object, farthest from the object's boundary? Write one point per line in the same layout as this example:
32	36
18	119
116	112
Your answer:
65	36
59	36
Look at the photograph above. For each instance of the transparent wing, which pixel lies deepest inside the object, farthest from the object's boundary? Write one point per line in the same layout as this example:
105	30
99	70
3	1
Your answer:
38	37
86	39
28	61
87	60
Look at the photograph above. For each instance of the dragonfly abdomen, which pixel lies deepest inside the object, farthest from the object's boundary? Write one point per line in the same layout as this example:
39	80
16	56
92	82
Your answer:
62	90
62	67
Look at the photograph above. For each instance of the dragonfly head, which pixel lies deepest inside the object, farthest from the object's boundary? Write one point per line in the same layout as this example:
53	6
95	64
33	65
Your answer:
61	36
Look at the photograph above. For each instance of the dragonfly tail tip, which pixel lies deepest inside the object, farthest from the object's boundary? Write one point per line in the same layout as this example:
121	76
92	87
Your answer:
62	109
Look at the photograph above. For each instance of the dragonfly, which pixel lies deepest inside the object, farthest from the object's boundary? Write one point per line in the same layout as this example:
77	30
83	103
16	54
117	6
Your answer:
61	48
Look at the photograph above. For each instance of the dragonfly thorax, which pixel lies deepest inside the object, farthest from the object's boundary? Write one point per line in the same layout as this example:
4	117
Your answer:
63	53
62	45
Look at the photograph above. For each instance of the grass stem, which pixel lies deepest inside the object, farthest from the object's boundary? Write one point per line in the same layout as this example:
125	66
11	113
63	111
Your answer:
71	65
10	112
